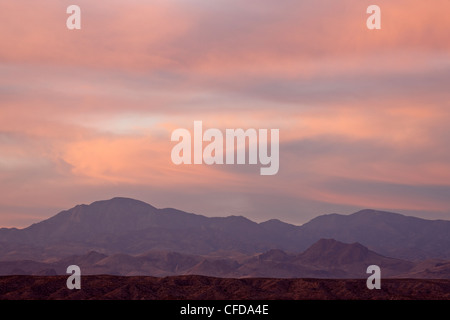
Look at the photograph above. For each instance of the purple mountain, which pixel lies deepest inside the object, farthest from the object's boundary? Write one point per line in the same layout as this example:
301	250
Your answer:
128	226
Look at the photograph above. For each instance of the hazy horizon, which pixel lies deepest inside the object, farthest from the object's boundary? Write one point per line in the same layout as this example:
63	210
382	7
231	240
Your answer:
363	115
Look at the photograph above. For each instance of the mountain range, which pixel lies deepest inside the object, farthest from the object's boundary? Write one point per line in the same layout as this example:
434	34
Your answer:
124	236
326	259
130	226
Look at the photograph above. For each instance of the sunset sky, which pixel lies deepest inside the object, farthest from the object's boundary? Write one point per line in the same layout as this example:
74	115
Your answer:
364	115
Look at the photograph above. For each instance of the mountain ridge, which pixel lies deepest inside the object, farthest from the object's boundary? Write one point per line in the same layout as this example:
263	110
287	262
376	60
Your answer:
124	225
327	258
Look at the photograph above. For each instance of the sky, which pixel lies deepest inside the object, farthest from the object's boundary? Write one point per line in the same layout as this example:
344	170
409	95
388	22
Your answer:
363	114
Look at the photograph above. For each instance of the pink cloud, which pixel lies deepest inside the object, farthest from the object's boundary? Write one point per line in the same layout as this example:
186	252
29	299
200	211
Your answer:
95	108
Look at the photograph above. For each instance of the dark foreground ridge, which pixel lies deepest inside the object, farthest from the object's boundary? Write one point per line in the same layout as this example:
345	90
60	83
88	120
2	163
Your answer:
106	287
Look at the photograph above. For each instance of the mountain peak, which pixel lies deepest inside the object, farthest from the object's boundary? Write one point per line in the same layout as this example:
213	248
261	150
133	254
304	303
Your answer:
330	251
274	254
120	201
86	222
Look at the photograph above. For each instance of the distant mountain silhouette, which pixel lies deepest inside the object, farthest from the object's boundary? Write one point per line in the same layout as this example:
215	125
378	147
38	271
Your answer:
387	233
132	227
351	258
327	258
